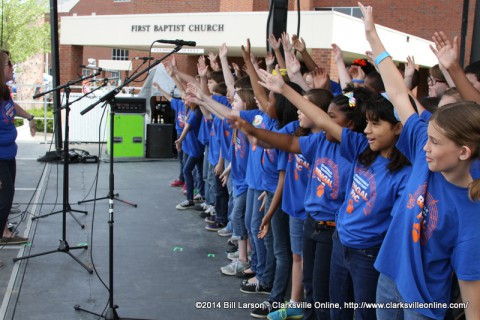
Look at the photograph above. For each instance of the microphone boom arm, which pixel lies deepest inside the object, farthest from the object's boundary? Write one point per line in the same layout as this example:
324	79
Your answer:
110	95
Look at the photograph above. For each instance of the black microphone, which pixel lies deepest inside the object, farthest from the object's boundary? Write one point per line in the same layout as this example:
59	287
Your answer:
144	58
90	67
179	42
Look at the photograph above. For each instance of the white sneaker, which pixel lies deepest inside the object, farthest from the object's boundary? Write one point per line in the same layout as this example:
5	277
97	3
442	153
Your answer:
185	205
234	267
224	232
233	255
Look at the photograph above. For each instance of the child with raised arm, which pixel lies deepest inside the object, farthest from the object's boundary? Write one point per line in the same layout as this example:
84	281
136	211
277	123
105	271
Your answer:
377	165
436	223
324	193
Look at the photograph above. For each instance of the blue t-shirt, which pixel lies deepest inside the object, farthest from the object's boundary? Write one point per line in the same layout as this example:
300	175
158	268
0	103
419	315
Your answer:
365	215
335	88
269	162
328	179
214	144
224	132
225	139
261	120
297	174
204	132
191	145
435	230
180	114
239	155
8	131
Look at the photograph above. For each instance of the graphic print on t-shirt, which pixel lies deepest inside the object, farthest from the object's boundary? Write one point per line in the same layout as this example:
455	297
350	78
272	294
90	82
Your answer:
327	175
363	191
300	164
426	214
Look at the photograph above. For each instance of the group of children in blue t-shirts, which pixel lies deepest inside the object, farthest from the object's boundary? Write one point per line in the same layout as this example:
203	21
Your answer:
358	197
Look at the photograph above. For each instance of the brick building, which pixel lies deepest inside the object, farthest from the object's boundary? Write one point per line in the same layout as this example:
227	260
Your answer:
413	23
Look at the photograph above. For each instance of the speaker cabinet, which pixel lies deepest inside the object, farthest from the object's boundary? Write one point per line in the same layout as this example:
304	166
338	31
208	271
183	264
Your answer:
159	140
128	136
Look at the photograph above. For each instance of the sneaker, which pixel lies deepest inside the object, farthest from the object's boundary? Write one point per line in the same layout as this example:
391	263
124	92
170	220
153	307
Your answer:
185	205
202	206
204	214
177	183
254	287
224	232
232	246
245	275
233	255
13	240
286	313
210	219
234	267
263	310
214	226
198	198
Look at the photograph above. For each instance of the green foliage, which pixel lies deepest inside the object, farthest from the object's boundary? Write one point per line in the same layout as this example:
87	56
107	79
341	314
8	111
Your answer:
39	122
25	32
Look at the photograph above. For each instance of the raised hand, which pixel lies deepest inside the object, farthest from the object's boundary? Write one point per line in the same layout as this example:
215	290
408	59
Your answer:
274	43
169	68
367	12
241	124
321	80
293	65
246	51
287	45
337	52
223	51
298	44
410	67
212	56
202	67
194	90
269	59
272	82
446	52
237	69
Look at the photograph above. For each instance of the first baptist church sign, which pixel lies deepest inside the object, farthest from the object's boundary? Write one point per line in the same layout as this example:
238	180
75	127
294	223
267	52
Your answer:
178	28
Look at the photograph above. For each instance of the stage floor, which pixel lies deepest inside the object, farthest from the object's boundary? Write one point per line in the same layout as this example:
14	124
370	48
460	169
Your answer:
165	262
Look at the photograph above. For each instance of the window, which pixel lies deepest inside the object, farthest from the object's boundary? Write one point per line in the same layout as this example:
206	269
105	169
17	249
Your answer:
119	54
351	11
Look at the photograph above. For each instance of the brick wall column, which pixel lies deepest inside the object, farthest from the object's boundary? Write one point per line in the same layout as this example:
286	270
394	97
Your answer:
71	57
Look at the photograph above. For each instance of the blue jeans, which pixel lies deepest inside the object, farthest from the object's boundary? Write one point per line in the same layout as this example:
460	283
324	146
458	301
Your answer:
253	218
181	161
296	235
239	228
208	178
355	279
197	174
317	252
221	202
8	170
279	228
231	199
188	167
387	291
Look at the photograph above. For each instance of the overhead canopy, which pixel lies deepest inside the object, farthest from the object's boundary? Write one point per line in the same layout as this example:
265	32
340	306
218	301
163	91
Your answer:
319	29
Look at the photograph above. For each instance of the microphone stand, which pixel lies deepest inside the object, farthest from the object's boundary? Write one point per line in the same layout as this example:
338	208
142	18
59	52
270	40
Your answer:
64	246
66	156
111	312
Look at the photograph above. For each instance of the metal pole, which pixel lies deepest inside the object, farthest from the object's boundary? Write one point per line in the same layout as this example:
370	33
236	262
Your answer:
56	74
